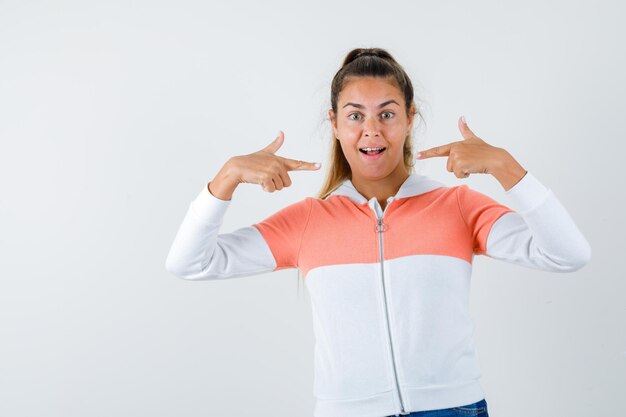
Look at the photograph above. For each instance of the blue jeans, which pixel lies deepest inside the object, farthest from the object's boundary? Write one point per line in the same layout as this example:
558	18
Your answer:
477	409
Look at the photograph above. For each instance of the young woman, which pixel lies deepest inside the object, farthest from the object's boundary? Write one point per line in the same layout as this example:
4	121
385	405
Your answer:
386	254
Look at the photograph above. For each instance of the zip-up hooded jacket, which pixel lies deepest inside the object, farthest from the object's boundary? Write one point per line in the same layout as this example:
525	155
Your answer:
389	288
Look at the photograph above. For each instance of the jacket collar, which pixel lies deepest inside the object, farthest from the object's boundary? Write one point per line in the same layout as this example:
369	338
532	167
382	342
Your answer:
414	185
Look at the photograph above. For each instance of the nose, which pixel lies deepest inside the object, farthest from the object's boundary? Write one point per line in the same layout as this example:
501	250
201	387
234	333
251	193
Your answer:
370	127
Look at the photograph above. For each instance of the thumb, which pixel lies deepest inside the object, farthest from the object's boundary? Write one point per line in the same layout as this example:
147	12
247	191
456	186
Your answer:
276	143
465	130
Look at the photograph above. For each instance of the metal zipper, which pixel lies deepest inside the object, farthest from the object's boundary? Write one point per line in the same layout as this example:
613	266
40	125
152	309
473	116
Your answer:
380	228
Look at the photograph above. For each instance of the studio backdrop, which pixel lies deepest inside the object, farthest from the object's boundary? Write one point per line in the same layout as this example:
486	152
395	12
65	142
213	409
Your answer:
114	115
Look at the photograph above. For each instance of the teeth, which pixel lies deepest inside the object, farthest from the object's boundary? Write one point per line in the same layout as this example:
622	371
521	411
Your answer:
372	149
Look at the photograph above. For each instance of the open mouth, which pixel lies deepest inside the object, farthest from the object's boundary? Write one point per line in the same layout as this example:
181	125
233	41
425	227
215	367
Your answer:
372	151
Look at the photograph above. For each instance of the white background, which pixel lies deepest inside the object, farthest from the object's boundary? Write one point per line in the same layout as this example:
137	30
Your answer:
114	115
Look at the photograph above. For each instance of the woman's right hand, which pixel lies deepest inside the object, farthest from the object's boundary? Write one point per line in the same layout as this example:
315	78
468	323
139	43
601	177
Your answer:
262	167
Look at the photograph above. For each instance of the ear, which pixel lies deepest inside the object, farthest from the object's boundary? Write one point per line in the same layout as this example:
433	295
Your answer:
333	121
411	116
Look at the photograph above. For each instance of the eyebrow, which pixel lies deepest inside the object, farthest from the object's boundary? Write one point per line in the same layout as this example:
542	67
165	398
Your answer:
360	106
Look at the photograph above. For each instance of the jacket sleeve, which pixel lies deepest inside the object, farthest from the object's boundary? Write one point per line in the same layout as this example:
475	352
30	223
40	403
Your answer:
536	232
200	252
284	231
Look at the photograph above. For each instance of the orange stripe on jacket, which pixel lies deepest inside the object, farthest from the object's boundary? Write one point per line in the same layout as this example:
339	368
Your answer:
448	221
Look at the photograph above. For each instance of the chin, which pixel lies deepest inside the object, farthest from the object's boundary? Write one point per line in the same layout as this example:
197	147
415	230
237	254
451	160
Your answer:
371	174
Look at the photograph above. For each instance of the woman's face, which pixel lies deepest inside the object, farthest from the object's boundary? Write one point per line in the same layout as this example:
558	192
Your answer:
371	113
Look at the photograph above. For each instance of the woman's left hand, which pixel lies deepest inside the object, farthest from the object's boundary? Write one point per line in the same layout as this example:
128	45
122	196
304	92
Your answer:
472	155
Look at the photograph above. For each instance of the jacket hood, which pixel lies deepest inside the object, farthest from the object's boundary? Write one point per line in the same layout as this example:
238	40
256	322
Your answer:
415	184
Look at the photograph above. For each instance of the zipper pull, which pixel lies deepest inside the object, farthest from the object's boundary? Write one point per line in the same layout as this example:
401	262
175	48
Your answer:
380	226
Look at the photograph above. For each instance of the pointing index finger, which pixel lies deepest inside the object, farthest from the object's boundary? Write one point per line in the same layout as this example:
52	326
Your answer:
442	150
297	165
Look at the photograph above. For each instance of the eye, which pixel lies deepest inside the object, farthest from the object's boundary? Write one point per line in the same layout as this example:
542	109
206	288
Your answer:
389	113
353	114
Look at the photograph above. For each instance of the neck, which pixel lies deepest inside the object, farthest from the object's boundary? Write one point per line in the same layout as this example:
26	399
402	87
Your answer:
381	188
